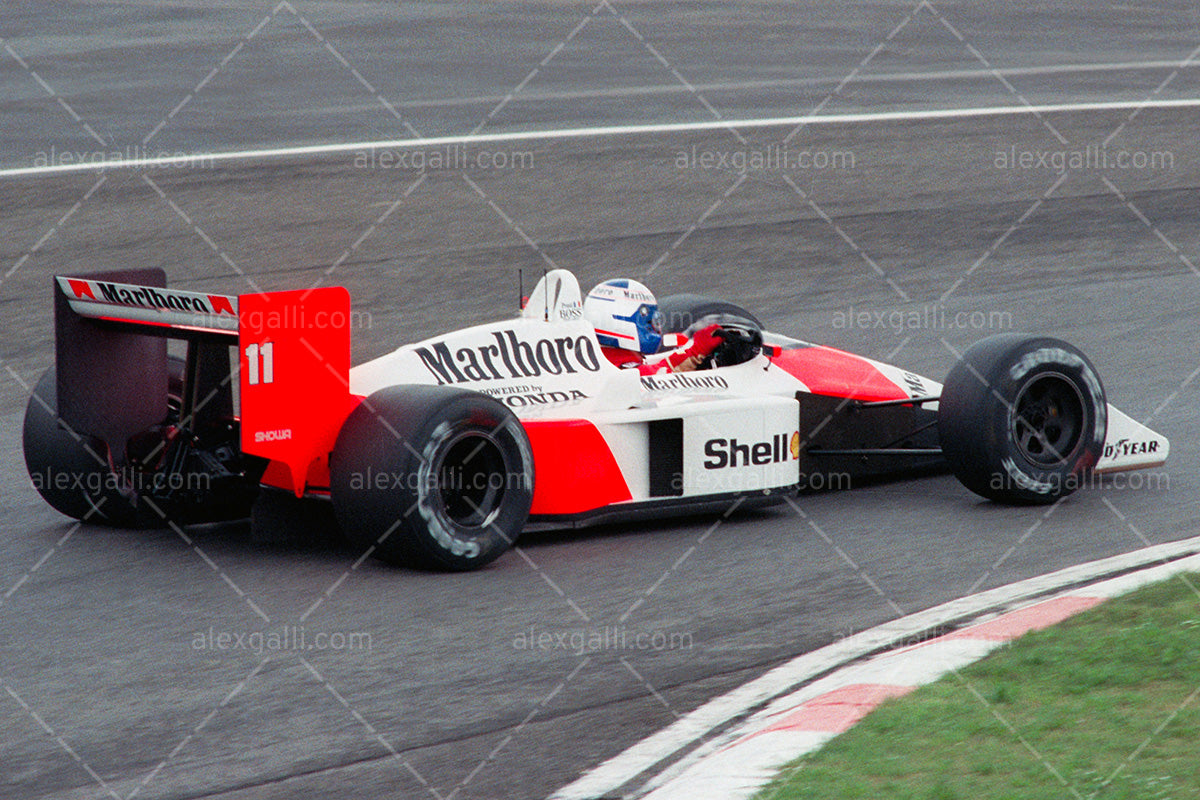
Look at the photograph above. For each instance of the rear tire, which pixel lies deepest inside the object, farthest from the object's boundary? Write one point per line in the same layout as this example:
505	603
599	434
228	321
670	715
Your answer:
1022	419
432	477
71	471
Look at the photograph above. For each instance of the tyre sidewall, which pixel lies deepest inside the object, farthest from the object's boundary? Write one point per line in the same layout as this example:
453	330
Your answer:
449	541
71	473
977	421
384	476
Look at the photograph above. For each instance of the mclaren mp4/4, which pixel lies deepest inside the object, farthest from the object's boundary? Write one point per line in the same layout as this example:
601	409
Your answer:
439	453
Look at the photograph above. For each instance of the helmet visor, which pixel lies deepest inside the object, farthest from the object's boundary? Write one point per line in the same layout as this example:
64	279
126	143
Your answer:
649	322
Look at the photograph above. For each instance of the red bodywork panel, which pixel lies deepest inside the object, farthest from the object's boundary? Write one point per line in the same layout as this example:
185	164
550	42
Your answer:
574	471
294	354
838	374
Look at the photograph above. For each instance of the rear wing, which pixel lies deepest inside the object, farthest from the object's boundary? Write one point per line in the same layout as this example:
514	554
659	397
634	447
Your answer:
277	362
149	303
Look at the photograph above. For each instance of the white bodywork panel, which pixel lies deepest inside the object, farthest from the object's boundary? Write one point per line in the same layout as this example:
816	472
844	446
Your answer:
729	445
1131	445
556	298
547	364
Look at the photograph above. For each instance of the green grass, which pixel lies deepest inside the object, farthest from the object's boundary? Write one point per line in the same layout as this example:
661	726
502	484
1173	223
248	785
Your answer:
1104	705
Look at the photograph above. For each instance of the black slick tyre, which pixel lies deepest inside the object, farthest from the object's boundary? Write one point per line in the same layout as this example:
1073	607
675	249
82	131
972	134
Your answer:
432	477
69	470
73	471
1022	419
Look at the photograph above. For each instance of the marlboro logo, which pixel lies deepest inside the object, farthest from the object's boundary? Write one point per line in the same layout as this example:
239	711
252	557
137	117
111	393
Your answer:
149	297
510	358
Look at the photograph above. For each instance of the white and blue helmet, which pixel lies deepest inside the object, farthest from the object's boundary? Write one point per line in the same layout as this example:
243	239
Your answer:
625	314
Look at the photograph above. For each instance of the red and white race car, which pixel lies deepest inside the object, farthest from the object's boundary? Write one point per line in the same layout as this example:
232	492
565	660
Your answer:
439	453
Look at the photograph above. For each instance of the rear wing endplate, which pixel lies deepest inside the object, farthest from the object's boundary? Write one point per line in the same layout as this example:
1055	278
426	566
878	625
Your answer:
291	367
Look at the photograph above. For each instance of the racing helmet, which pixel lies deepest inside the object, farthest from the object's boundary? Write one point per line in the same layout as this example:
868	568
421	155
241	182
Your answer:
625	315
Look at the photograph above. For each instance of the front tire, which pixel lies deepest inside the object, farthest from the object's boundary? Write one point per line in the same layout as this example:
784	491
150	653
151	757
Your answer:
432	477
1022	419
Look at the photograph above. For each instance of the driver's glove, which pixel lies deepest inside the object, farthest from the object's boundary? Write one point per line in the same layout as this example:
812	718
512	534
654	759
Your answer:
704	342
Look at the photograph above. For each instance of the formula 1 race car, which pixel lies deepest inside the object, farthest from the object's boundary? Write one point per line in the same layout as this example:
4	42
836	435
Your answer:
167	406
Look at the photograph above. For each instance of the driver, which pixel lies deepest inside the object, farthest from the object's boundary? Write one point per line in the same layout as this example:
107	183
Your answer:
629	327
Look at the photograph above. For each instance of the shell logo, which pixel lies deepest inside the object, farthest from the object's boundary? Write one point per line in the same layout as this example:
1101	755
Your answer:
796	445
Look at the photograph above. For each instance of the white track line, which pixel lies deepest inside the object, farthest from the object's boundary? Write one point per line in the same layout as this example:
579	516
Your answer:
692	728
795	83
925	115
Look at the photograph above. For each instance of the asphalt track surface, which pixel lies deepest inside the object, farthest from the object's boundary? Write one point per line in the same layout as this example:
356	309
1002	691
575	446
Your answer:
108	676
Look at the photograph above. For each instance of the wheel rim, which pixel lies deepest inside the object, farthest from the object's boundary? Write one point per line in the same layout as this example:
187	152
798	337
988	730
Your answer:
472	480
1048	419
